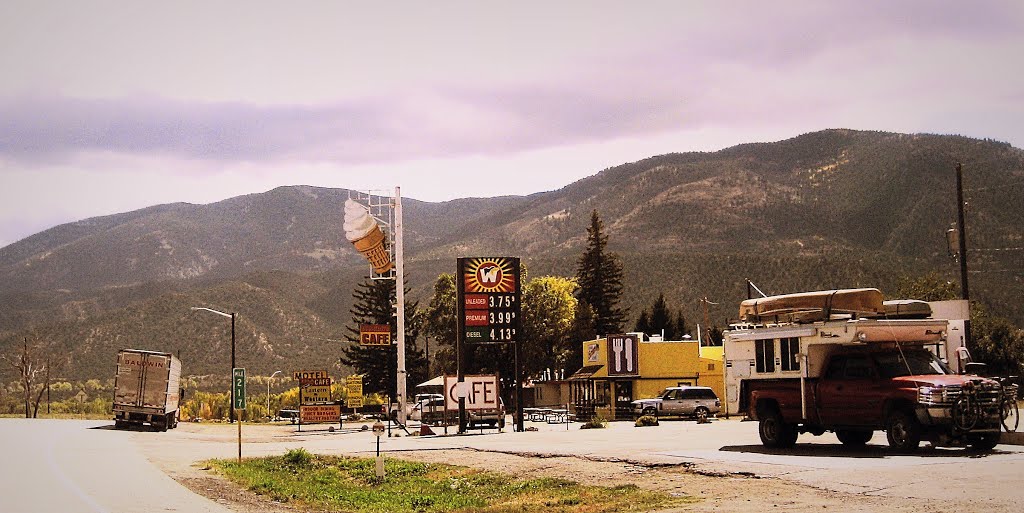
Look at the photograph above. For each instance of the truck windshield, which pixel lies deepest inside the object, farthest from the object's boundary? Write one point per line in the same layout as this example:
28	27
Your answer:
909	363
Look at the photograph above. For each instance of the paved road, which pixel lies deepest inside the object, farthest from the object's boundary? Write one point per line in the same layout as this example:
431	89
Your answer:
85	467
77	465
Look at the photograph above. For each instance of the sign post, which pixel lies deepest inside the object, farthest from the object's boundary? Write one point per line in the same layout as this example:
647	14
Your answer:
378	430
489	312
238	393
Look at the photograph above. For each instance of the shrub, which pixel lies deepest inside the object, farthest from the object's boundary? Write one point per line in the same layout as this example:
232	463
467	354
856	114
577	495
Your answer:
646	420
595	423
298	457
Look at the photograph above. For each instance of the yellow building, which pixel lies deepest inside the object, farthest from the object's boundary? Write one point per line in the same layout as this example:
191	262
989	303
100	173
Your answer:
619	369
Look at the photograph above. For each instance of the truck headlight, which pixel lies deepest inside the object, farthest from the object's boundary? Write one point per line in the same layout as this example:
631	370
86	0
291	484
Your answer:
931	396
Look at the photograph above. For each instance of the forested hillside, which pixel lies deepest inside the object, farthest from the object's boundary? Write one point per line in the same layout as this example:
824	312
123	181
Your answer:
830	209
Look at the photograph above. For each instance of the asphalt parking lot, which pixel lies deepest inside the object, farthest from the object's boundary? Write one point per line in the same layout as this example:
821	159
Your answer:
729	447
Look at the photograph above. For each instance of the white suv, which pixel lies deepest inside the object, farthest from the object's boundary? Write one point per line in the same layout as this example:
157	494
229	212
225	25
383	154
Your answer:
686	401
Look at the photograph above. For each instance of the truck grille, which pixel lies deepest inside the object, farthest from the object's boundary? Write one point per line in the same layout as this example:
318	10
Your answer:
946	396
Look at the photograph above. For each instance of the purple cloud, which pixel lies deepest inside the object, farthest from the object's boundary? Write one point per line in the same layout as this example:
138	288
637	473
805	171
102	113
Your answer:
37	128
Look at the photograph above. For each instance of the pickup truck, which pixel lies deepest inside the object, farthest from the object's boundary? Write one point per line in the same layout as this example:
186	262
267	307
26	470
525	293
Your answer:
905	390
849	362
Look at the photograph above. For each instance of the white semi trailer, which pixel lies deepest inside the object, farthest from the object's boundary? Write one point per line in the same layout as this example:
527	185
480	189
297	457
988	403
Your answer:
146	389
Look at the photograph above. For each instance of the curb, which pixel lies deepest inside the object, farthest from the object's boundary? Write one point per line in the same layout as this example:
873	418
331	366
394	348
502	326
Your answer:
1016	438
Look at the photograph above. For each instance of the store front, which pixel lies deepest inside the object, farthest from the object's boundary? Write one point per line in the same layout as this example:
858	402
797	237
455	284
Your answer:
620	369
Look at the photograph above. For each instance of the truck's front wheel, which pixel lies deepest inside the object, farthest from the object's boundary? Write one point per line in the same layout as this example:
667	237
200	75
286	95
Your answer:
775	433
903	431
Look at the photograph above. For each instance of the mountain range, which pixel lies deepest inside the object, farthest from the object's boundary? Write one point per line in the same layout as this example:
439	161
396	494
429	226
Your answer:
829	209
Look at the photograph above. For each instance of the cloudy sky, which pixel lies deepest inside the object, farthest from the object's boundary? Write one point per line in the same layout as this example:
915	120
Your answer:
107	107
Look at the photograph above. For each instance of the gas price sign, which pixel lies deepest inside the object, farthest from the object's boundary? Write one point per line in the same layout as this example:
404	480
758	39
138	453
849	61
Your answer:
489	309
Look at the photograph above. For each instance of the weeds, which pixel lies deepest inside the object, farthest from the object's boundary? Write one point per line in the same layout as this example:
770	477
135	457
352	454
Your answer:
646	420
332	483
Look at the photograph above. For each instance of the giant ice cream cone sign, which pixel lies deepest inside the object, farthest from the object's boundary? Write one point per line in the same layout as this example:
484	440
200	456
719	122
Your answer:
365	234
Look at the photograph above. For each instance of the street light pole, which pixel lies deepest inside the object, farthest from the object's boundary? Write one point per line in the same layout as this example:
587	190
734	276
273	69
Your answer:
268	392
231	409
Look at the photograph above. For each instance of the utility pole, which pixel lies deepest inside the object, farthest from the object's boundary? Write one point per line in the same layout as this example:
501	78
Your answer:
706	339
962	250
706	328
400	385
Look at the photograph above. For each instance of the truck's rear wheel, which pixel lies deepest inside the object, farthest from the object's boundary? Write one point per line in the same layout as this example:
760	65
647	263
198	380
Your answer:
903	431
160	423
854	437
775	433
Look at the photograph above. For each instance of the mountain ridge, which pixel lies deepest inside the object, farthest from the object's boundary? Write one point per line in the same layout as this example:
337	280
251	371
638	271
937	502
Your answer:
828	209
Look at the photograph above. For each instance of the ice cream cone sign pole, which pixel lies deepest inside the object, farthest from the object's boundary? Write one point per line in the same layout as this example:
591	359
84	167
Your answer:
400	299
362	230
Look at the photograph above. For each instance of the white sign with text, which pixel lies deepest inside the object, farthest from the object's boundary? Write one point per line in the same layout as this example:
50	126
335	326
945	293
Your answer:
481	392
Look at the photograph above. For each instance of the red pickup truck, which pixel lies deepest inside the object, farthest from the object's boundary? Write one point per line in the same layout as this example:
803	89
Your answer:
904	390
849	362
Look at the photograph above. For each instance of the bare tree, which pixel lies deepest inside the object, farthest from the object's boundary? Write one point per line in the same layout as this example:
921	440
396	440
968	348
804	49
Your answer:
29	367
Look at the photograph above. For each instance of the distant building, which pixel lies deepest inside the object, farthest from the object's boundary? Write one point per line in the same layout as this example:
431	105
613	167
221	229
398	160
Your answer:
628	368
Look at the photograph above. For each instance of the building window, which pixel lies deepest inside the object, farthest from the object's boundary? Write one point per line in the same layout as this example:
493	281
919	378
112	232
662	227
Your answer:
711	366
790	348
765	355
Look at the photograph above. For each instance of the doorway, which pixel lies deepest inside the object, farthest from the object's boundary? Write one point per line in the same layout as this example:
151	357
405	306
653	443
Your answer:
623	400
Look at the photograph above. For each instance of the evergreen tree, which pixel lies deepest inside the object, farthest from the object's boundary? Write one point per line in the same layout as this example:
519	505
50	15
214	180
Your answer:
661	318
582	330
599	274
441	323
373	305
680	326
715	336
643	324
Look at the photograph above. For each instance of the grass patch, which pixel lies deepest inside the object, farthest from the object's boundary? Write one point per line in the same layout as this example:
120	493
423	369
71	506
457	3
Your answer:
337	483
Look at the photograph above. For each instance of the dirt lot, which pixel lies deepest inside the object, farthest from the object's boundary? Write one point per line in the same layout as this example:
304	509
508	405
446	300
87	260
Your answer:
736	492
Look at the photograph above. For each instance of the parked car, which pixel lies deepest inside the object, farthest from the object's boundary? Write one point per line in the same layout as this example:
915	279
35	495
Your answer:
429	408
685	401
291	415
421	403
492	417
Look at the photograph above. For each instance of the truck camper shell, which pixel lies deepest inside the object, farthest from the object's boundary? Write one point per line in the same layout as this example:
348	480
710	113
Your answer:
805	329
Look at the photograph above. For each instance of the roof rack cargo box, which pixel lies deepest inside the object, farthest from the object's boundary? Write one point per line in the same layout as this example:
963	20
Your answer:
815	306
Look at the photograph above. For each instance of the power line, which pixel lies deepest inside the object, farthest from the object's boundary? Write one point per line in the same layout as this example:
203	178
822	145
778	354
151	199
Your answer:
995	249
1001	186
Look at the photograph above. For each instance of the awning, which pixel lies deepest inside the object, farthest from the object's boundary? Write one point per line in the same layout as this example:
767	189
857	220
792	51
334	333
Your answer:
585	373
436	382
